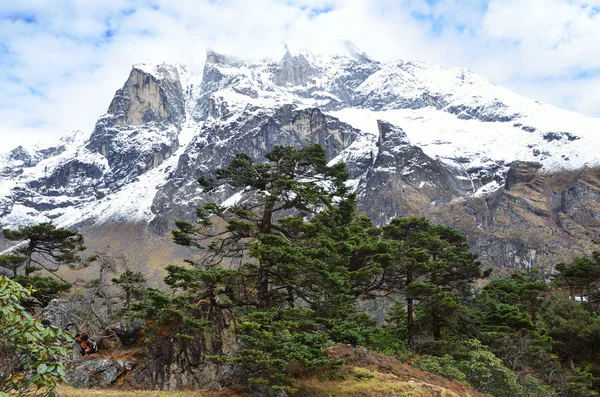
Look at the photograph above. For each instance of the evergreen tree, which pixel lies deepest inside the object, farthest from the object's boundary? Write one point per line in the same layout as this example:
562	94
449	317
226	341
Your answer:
258	233
435	266
12	263
579	277
44	288
43	246
571	326
132	283
290	259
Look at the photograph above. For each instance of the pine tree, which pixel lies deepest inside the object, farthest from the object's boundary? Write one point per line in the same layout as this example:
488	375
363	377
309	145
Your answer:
292	185
44	246
434	262
132	283
291	259
581	276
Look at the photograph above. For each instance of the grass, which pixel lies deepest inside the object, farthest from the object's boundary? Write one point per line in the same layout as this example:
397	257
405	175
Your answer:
375	375
71	392
372	383
366	374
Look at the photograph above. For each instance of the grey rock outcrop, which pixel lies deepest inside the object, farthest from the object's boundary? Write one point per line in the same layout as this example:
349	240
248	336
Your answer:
148	97
132	150
403	178
91	374
521	171
128	332
175	363
294	70
141	127
57	314
218	142
582	203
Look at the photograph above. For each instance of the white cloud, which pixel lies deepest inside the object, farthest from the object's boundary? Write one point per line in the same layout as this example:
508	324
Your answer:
61	61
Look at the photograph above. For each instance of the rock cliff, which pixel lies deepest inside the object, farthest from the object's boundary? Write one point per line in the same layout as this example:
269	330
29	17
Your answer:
518	177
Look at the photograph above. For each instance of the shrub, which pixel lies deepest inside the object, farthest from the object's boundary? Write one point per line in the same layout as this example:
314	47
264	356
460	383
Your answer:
29	351
444	366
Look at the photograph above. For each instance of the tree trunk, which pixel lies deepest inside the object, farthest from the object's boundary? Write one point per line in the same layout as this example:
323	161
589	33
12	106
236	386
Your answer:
263	286
263	271
437	334
571	363
290	292
409	311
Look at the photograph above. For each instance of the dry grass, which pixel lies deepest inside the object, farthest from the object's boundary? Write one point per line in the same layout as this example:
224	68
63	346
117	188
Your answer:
376	385
70	392
365	374
375	375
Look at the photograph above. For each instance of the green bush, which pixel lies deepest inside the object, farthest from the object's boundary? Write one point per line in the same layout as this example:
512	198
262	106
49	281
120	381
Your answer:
29	351
486	373
444	366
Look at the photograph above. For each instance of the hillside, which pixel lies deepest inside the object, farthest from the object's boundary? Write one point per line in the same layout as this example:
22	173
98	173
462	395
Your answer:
365	374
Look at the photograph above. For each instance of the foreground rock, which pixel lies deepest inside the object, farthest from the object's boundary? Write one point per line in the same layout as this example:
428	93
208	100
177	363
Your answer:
98	373
57	314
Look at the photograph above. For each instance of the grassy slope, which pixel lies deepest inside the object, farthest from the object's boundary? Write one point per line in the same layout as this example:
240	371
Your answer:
375	375
70	392
365	374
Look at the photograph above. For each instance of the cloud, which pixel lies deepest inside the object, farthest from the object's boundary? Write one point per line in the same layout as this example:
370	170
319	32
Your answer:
62	61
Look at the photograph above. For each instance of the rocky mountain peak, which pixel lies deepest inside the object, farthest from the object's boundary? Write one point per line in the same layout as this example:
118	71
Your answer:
415	138
391	135
215	58
149	95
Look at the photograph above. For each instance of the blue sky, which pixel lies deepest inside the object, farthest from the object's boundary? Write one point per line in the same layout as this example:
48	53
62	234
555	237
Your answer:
62	60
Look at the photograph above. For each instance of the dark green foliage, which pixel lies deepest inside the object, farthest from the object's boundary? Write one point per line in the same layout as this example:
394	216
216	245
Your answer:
486	372
293	282
273	340
44	288
43	247
12	262
523	290
474	364
296	181
445	366
434	266
579	384
179	312
581	276
47	247
132	283
571	326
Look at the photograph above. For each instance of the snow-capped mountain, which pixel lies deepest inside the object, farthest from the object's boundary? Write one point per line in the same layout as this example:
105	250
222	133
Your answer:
415	137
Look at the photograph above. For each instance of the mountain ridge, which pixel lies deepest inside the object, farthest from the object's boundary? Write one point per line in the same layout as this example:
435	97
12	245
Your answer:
415	138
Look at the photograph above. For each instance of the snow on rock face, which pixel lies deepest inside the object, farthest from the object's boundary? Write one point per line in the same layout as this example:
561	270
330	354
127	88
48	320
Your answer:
431	133
250	132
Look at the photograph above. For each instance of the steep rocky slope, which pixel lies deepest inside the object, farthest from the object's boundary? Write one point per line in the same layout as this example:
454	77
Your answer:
517	176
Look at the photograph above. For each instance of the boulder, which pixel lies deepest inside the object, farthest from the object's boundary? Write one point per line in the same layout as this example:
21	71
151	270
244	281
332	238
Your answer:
57	314
97	373
128	332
